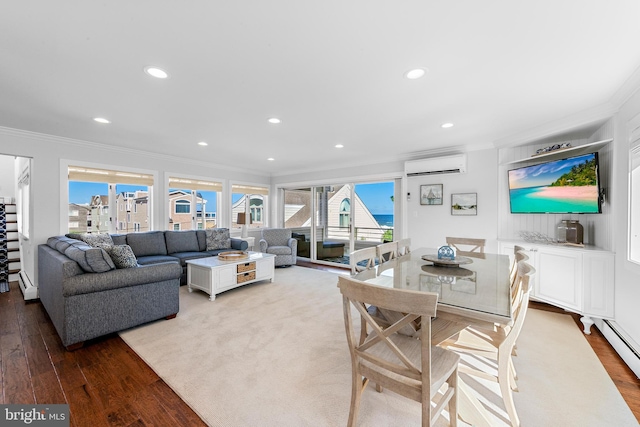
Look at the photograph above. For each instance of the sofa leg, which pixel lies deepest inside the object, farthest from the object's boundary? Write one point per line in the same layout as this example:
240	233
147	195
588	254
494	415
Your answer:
171	316
74	347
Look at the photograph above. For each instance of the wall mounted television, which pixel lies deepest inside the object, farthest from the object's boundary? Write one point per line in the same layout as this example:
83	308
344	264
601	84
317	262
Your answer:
570	185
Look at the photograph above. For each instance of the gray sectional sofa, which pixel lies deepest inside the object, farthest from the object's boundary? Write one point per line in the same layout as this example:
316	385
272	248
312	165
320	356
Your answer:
93	289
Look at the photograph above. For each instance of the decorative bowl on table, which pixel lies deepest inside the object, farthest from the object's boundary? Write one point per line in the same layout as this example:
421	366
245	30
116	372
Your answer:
440	262
233	255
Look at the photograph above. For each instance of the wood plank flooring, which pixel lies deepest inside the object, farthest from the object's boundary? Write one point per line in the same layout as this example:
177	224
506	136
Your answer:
106	384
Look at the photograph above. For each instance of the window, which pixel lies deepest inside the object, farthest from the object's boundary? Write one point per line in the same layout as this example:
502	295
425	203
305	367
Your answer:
345	212
251	200
183	207
92	191
188	196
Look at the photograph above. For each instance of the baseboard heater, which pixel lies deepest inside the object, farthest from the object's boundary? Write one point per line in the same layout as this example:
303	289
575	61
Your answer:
28	290
623	345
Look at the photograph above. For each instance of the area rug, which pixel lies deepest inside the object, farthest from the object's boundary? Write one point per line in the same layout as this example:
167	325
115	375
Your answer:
274	354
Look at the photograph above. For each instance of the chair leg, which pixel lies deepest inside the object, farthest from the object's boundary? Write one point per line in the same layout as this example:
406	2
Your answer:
453	403
505	386
356	392
513	375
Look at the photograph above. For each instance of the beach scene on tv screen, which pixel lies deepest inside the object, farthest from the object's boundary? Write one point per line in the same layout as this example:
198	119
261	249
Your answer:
568	185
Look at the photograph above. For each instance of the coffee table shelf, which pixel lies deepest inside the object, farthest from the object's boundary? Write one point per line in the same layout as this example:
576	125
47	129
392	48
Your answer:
214	276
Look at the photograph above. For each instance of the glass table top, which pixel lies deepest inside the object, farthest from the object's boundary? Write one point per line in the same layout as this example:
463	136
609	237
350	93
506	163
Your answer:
477	289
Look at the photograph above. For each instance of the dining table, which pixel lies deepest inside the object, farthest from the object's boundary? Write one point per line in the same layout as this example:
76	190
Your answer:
473	289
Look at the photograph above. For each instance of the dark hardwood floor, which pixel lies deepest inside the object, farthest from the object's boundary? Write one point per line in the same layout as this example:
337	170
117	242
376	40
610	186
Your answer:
106	384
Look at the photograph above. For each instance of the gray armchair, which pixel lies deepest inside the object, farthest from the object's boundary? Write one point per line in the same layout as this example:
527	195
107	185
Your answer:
278	241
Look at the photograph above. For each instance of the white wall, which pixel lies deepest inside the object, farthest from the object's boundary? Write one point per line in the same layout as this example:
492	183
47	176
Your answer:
430	225
627	280
49	179
7	176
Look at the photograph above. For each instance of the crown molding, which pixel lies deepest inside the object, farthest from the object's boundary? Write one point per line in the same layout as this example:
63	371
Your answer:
593	117
20	133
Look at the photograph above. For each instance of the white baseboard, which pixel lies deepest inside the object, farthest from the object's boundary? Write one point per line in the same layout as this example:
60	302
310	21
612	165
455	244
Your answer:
28	290
628	349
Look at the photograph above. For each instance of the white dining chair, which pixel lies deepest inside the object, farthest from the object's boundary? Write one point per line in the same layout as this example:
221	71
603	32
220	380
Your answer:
387	251
404	246
498	343
408	366
362	259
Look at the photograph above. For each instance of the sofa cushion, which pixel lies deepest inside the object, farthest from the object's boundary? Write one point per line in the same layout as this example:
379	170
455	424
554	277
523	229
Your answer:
147	244
119	239
97	240
155	259
276	236
181	241
185	256
61	243
90	259
202	240
122	256
279	250
218	238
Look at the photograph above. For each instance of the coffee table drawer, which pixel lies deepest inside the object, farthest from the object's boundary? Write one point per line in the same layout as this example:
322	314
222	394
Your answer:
247	266
245	277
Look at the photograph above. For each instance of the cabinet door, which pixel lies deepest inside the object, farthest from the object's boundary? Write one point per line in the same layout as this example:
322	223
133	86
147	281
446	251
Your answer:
264	268
559	277
225	277
598	284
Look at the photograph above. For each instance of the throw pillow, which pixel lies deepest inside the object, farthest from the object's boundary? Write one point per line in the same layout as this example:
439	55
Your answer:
97	240
218	238
123	256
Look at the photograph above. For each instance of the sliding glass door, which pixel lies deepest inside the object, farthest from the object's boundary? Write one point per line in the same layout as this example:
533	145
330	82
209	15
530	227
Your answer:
330	221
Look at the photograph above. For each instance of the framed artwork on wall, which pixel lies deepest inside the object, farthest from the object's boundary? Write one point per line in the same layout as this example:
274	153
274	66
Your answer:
464	204
431	194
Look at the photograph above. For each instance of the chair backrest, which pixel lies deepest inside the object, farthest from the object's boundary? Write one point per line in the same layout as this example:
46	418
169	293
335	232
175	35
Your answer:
387	251
519	310
513	275
404	246
276	236
466	245
362	259
396	362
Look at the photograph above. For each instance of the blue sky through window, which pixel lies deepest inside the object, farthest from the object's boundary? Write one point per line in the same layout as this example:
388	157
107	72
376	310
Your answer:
377	197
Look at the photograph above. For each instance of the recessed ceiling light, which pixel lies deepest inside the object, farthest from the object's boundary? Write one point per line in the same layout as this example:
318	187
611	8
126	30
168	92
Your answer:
339	146
156	72
274	120
447	125
271	159
204	144
102	120
415	73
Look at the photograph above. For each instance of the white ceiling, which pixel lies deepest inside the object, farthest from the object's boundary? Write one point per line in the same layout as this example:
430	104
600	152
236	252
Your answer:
331	70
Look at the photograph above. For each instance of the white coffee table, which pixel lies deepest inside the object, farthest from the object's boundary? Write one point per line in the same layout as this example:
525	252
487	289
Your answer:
214	276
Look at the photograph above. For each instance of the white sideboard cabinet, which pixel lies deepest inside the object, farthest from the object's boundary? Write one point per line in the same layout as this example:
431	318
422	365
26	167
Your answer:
577	279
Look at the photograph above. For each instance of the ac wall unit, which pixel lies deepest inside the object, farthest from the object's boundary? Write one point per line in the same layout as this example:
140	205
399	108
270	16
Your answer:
436	165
